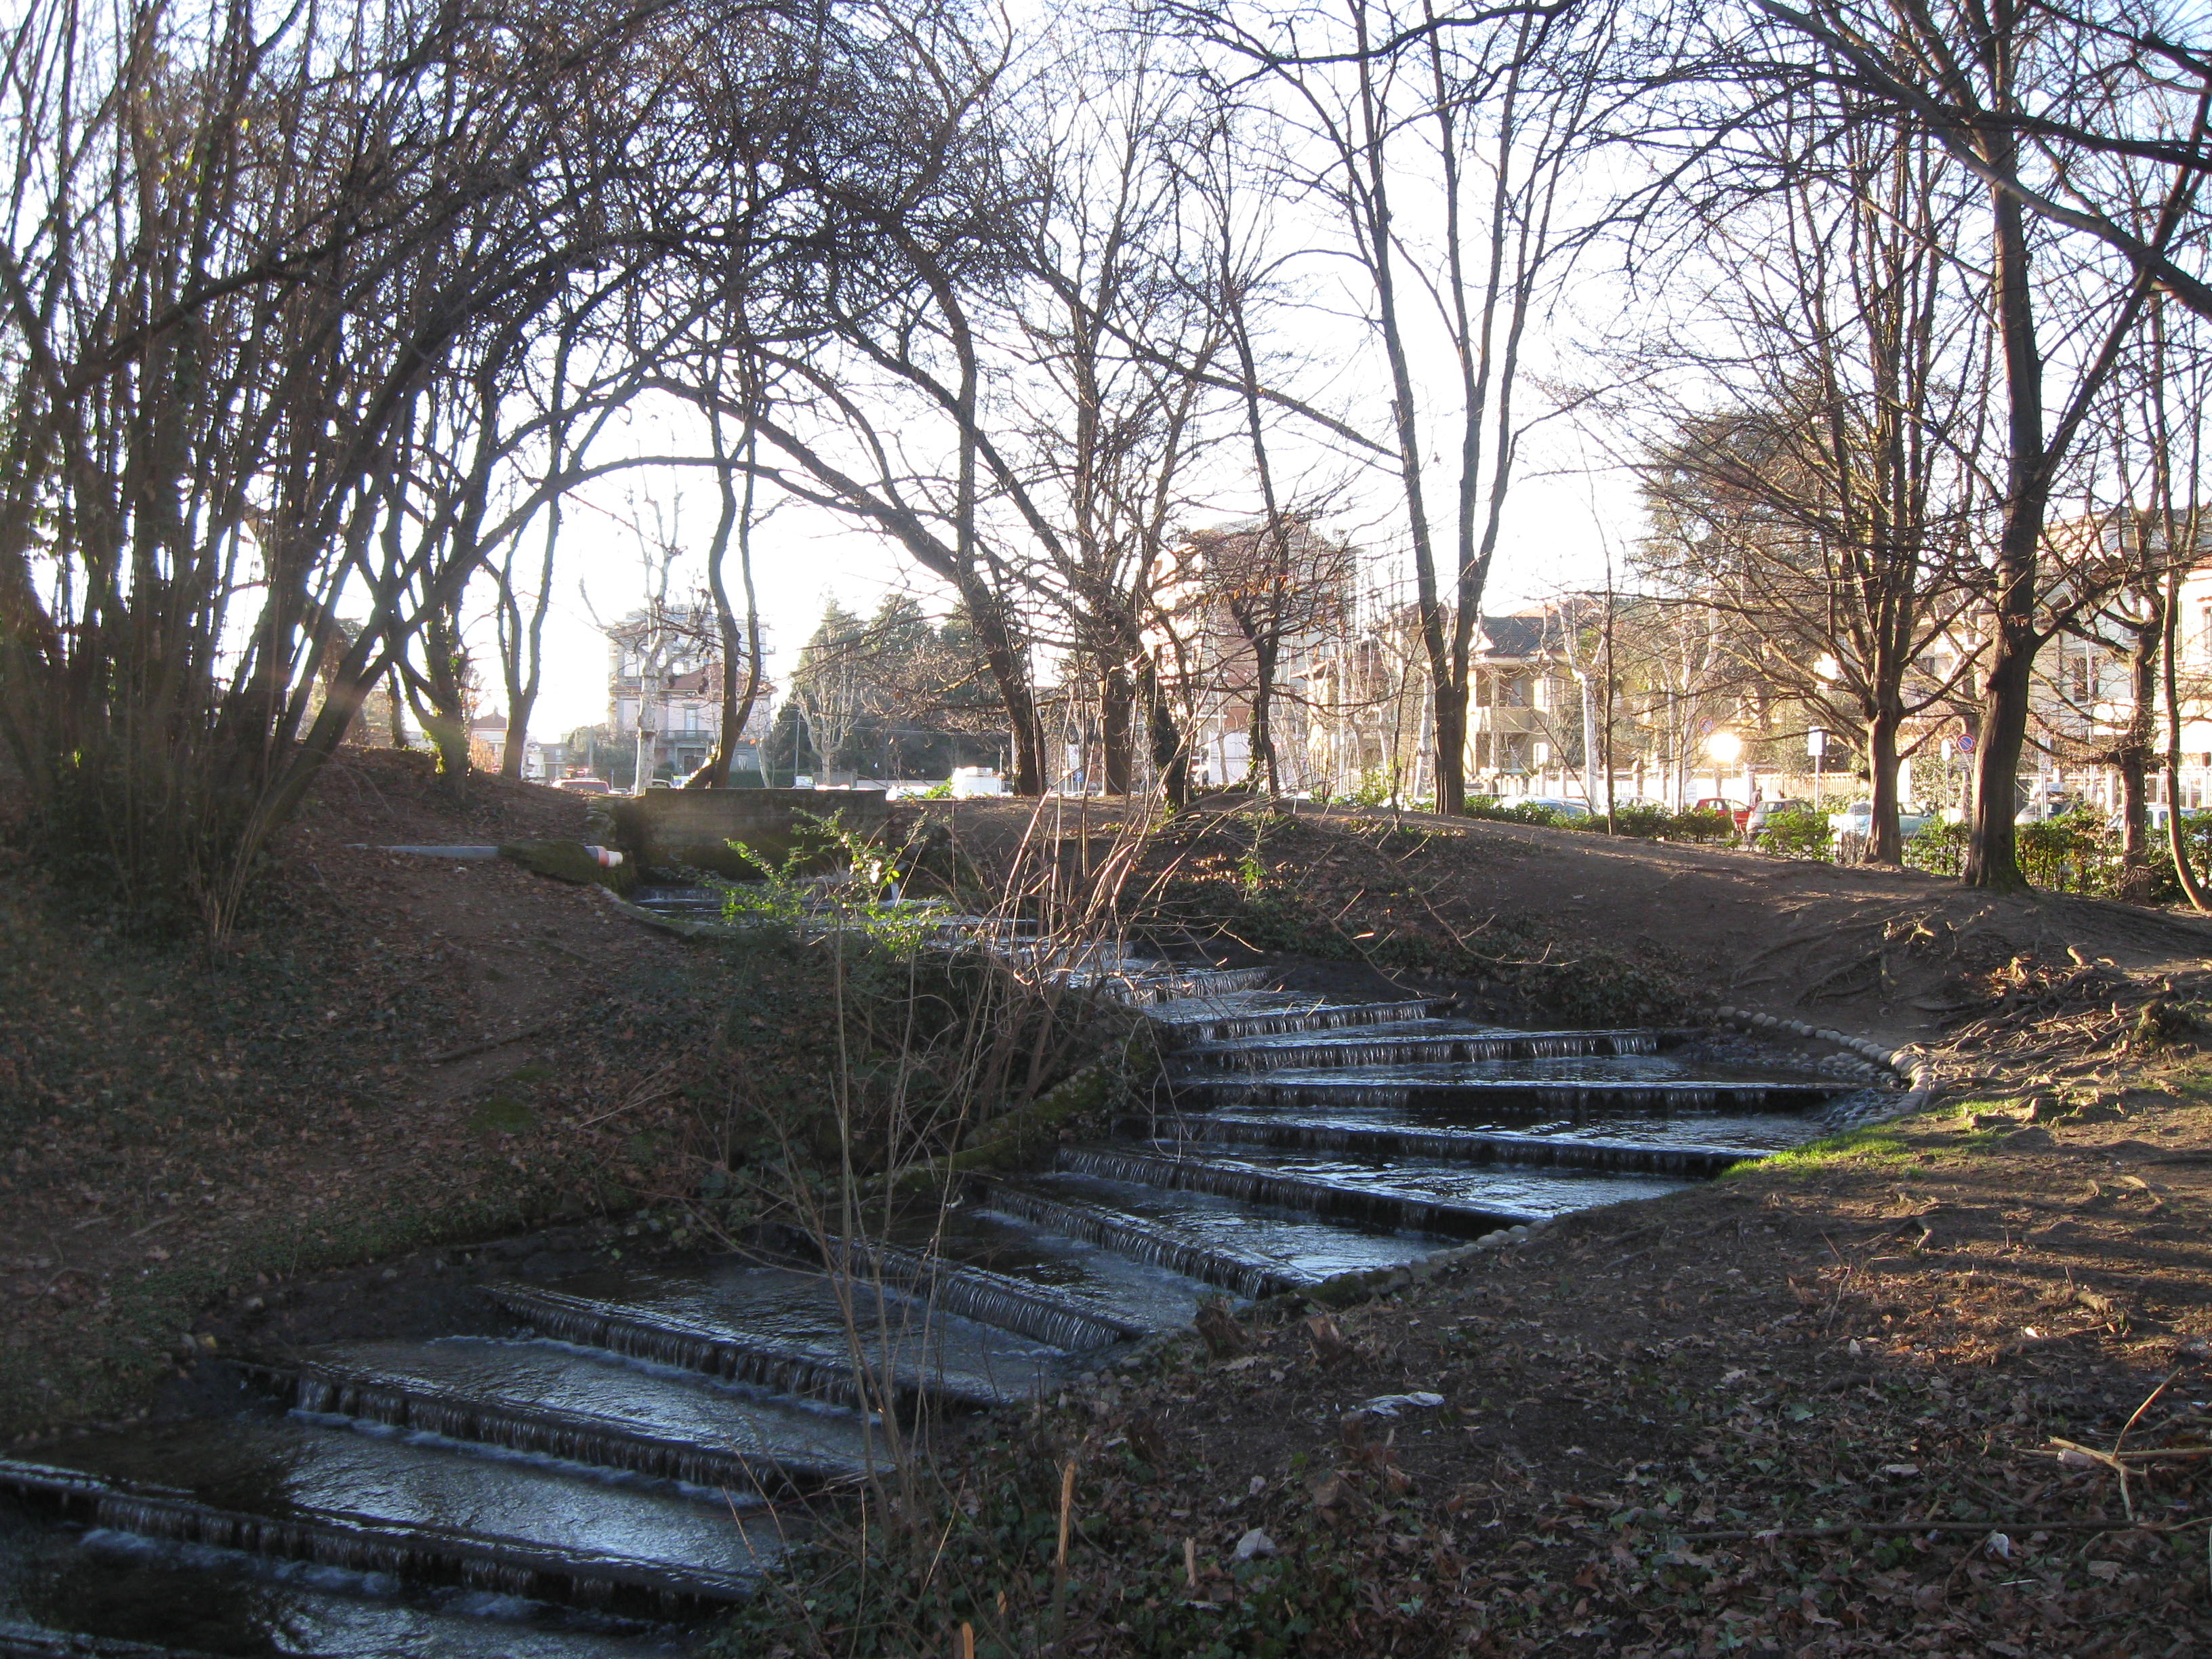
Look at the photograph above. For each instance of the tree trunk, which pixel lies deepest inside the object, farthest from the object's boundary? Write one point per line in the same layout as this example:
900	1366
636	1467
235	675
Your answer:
1171	753
1004	659
2132	756
1117	734
1450	721
1992	858
2177	836
1884	841
736	706
1259	768
522	684
439	697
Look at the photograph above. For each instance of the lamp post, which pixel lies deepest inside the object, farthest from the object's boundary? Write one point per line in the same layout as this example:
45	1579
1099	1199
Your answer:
1816	746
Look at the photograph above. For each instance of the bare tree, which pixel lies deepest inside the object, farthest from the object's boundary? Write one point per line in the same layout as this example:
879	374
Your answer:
2073	114
214	365
2036	104
1494	108
1120	345
1832	506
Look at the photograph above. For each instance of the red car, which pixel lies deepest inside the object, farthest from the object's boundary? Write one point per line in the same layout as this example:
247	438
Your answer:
1739	813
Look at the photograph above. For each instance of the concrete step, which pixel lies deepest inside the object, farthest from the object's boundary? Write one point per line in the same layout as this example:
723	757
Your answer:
1453	1207
1415	1042
1258	1013
555	1400
1381	1143
375	1503
792	1331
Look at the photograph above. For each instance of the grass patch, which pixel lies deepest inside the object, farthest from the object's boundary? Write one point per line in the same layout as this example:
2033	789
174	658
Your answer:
1876	1144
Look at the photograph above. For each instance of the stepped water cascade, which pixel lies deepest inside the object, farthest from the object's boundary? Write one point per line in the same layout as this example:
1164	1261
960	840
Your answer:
644	1441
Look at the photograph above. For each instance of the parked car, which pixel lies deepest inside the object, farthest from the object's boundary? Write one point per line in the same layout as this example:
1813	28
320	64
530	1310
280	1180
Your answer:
2043	807
1765	809
1565	809
1857	819
583	786
1738	813
2154	817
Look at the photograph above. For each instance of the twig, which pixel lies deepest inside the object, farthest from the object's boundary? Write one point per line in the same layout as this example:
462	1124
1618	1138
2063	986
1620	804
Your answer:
2148	1399
2164	1454
2127	1498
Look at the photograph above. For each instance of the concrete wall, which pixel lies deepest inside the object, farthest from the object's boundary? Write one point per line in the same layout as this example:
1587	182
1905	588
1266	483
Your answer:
695	826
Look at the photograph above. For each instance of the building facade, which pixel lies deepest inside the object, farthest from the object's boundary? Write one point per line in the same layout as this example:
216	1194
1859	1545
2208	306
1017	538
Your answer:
664	693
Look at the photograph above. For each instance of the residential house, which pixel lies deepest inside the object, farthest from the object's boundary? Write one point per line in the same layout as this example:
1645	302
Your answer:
665	685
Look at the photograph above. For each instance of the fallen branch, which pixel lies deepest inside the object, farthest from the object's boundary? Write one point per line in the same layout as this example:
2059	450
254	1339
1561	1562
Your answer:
2163	1454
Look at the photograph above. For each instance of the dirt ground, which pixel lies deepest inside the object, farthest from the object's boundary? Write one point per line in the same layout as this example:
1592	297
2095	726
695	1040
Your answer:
403	1048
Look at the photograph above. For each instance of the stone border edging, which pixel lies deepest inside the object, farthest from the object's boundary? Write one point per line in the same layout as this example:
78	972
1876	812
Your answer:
1908	1063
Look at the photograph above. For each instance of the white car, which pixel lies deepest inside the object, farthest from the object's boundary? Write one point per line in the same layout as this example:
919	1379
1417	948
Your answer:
1857	819
2154	817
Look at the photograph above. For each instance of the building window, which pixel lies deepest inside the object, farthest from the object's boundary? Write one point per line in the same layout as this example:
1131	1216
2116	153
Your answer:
2080	679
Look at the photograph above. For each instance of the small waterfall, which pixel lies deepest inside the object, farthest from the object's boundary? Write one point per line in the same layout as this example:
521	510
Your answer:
977	1293
1466	1146
331	1538
1222	1027
1140	1241
731	1356
1401	1212
548	1434
1419	1050
1657	1099
1198	982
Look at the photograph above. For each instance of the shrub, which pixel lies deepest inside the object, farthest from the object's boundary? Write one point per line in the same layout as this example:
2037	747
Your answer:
1702	824
1646	819
1488	806
2072	853
1938	848
1377	786
1798	833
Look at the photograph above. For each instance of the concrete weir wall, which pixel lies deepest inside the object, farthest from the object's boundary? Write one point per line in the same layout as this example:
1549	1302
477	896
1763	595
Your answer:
695	826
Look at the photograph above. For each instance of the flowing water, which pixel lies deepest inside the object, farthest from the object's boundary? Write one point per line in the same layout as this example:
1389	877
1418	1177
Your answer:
646	1441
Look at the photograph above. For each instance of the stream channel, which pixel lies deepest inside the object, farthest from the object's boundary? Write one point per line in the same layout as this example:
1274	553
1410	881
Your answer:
642	1444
